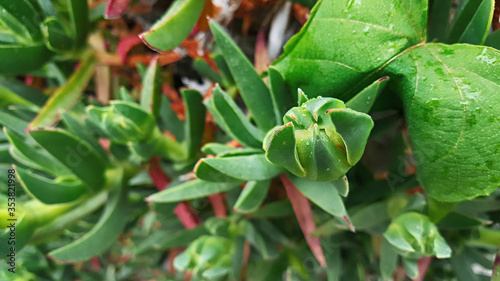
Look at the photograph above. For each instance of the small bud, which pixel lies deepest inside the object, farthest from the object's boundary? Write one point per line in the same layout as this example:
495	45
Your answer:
123	122
321	139
208	257
414	236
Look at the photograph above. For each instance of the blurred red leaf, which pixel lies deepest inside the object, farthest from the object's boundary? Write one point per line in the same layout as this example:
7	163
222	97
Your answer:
115	8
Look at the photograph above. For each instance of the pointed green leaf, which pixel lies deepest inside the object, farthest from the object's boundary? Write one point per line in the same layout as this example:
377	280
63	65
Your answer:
169	119
74	154
34	156
364	101
174	26
321	65
280	94
50	191
237	168
102	235
151	88
463	17
323	194
452	113
479	26
233	120
439	21
252	89
223	150
191	190
79	18
66	96
252	196
195	120
388	260
206	70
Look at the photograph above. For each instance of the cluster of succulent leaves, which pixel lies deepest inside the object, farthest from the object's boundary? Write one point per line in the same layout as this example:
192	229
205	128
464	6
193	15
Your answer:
79	196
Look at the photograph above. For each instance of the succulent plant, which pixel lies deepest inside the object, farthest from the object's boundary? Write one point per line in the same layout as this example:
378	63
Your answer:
320	140
415	236
208	257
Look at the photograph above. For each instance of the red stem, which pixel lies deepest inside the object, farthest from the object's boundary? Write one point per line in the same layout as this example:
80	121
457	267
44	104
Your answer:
423	265
218	205
161	180
303	212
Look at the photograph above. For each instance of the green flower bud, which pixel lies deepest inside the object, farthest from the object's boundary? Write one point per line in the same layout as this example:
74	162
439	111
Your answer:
208	257
413	236
321	139
123	122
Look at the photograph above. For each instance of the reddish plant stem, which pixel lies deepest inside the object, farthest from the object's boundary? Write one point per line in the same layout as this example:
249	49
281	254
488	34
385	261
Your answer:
95	263
115	8
303	212
495	276
188	218
423	265
125	45
261	54
217	202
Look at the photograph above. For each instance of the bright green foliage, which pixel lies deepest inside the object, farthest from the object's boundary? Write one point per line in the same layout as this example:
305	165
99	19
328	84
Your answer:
208	257
452	117
332	65
32	32
174	26
321	139
118	179
448	92
414	236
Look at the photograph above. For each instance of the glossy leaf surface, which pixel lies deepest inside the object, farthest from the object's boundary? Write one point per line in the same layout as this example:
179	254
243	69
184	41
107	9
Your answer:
252	89
174	26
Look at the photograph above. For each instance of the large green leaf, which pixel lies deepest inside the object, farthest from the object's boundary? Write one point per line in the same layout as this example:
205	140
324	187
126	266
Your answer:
344	40
451	100
252	89
103	234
